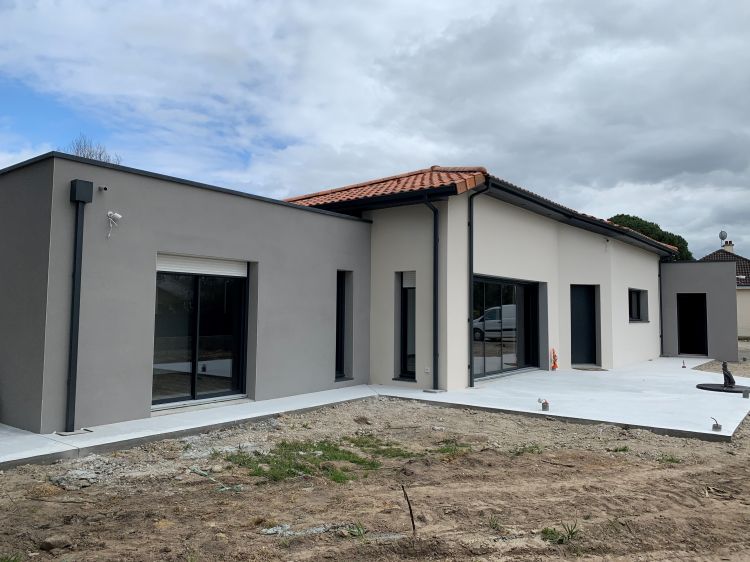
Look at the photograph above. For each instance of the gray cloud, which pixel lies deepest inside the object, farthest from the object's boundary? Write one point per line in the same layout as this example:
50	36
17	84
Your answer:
605	106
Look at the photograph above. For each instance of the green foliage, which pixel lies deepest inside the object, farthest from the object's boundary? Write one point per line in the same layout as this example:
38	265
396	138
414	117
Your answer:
357	530
11	557
377	447
653	230
665	458
453	448
622	449
297	458
494	523
530	448
553	535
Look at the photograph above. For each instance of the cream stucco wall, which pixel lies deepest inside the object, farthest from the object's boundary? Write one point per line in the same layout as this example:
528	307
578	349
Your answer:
512	243
743	312
401	240
634	268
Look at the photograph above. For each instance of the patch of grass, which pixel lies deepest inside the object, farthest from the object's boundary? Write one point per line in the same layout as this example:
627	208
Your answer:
379	448
215	454
621	449
297	458
11	557
665	458
494	523
553	535
527	448
453	448
357	530
338	475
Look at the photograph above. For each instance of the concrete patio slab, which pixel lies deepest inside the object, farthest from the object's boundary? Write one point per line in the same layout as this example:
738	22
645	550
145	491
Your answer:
658	395
18	447
18	444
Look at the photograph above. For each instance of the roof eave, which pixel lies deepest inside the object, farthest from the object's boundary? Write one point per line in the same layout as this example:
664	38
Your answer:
513	195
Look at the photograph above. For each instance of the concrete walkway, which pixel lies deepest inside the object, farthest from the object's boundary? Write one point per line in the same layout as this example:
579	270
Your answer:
658	395
19	447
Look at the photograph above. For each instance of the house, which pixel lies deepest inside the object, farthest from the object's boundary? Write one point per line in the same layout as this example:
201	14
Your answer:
742	272
126	292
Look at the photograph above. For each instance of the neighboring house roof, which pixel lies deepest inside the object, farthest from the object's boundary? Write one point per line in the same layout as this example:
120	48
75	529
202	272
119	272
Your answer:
742	264
419	180
441	181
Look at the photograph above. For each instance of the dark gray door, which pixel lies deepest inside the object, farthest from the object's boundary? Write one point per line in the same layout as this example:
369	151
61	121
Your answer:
692	332
583	324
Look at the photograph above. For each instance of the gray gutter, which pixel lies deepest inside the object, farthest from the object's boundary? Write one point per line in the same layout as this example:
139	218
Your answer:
471	280
435	293
81	192
181	181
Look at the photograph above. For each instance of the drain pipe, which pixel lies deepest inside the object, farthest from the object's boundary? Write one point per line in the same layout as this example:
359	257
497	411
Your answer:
435	293
81	192
661	320
471	280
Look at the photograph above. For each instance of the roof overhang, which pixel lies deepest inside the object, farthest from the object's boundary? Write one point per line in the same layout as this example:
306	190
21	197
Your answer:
509	193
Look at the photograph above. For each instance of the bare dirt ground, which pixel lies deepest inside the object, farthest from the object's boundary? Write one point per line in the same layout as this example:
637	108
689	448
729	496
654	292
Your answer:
739	369
326	485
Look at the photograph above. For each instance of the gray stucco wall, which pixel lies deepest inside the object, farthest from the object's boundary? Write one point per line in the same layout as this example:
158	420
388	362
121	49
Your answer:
717	280
295	255
24	242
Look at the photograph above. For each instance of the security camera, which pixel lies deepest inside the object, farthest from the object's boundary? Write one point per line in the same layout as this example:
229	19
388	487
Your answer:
103	188
112	215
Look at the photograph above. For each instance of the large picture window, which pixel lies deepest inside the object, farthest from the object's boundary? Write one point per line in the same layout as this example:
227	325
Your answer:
198	336
504	326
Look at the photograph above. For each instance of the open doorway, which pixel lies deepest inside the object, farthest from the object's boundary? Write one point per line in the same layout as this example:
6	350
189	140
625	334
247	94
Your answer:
692	331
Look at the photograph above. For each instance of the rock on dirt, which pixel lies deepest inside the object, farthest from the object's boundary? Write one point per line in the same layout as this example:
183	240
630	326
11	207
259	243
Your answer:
55	541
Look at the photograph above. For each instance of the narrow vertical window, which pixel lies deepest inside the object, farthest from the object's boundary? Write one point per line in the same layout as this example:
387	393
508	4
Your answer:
408	325
341	314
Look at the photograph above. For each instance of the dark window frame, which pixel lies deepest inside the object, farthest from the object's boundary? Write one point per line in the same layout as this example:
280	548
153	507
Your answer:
195	333
341	314
529	331
408	294
637	305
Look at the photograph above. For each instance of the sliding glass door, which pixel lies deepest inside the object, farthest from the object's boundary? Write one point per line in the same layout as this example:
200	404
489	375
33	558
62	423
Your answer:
504	325
198	337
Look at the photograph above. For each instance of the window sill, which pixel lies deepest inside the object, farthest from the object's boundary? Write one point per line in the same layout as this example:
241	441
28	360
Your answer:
405	379
639	321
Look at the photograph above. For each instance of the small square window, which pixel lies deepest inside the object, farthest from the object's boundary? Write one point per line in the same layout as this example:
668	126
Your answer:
638	305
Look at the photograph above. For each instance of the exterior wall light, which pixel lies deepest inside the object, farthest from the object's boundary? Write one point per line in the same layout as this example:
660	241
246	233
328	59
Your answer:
113	218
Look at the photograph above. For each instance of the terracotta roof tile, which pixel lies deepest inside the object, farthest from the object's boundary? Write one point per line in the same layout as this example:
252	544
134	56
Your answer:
464	179
419	180
742	263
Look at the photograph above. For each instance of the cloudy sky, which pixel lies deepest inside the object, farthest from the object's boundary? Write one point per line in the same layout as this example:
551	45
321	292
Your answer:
608	107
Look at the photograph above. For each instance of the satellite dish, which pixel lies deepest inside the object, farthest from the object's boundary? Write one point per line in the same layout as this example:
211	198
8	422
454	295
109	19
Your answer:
722	236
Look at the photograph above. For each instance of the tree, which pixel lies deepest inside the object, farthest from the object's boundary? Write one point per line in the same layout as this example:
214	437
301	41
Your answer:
653	230
84	147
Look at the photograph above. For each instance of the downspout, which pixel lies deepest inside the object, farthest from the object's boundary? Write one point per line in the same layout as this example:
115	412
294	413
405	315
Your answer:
661	320
81	192
435	293
471	280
